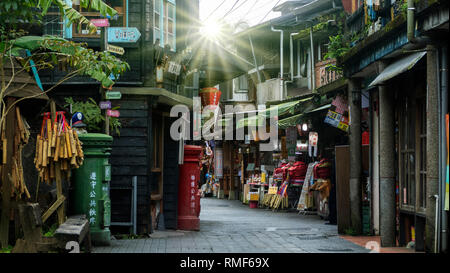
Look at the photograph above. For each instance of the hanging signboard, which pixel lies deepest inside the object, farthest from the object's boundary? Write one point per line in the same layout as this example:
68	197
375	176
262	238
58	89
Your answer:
115	49
174	68
105	105
337	116
273	190
113	95
123	35
333	118
341	104
343	124
113	113
100	22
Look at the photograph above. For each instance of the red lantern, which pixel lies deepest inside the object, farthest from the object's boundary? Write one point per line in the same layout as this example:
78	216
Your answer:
210	96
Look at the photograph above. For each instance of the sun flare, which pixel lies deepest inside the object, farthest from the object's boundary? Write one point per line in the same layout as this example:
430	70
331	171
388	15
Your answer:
211	29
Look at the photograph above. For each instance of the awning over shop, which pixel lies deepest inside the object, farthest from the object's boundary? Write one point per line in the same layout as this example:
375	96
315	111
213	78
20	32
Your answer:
294	120
398	67
290	121
283	109
164	96
324	107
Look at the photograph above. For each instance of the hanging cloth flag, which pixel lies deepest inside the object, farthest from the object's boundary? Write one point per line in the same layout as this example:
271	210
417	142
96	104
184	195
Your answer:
303	202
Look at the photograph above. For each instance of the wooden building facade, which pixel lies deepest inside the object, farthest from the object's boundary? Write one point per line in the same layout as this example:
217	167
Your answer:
144	147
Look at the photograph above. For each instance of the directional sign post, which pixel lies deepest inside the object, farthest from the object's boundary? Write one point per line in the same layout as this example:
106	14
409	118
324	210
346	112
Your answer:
123	35
115	49
113	95
105	105
113	113
100	22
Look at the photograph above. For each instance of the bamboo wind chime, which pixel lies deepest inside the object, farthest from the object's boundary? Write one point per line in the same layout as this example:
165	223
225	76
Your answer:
57	142
21	136
280	199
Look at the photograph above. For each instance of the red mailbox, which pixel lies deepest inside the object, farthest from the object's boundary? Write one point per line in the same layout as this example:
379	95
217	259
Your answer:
188	198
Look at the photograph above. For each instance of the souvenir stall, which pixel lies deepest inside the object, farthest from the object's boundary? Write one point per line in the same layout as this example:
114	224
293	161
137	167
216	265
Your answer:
288	177
253	175
328	126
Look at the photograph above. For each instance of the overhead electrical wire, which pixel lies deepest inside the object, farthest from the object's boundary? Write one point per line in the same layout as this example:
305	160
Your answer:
235	3
233	10
254	11
214	10
269	12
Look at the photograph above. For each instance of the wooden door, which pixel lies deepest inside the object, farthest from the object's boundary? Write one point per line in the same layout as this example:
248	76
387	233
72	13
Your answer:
342	187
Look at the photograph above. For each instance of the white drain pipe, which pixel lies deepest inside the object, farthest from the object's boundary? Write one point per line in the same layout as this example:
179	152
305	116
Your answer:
281	60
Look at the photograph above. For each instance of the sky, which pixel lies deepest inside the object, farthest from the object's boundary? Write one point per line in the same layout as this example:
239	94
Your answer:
252	11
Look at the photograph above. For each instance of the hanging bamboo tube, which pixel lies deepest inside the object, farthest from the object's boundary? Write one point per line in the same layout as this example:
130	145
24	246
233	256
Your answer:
73	148
73	160
44	154
69	149
66	155
49	130
54	134
57	148
5	145
20	123
49	149
79	148
40	151
61	146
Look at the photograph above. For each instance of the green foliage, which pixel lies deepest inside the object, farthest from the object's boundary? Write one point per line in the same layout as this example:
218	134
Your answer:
337	47
6	249
50	51
404	7
50	231
74	16
93	117
14	12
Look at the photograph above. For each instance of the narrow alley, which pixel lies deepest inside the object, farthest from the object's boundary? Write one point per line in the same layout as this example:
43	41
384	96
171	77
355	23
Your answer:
228	226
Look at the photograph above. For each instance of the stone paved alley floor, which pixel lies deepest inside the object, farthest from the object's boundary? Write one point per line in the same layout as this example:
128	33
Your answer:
228	226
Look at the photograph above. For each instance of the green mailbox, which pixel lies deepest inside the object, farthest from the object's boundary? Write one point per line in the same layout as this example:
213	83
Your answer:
90	190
